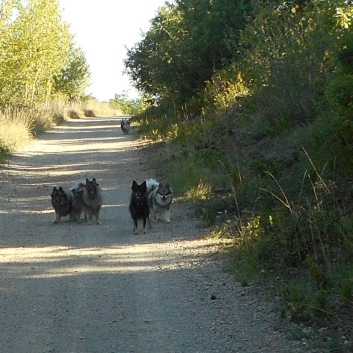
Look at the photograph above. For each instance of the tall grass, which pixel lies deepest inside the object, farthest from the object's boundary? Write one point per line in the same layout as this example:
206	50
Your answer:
16	129
292	225
304	238
19	125
88	108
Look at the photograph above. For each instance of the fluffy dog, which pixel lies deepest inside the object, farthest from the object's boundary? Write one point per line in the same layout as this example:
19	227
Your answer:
66	203
125	126
160	198
92	199
77	202
138	207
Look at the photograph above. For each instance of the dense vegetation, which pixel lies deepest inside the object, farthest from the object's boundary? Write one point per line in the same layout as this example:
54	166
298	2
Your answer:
43	74
38	57
255	100
127	105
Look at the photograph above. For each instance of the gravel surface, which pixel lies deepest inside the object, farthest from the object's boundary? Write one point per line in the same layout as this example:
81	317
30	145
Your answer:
73	287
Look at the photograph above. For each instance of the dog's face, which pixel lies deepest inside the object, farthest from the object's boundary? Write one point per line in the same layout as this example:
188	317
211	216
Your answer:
139	191
59	197
164	193
125	124
92	186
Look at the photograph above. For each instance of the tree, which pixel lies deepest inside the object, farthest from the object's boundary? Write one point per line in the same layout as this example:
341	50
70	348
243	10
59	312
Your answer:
125	105
290	44
35	46
187	42
74	78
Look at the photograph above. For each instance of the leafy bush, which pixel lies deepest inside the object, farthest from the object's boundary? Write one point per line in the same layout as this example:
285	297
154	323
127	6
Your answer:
47	64
125	105
186	43
73	114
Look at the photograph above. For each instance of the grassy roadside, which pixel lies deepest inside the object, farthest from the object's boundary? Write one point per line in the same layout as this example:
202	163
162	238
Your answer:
19	125
283	202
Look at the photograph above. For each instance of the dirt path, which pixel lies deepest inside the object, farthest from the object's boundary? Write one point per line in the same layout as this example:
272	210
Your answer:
100	289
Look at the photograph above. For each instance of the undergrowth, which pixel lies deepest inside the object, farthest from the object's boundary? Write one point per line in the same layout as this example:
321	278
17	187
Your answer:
291	223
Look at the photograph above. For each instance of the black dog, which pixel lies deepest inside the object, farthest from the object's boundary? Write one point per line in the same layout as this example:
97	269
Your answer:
139	208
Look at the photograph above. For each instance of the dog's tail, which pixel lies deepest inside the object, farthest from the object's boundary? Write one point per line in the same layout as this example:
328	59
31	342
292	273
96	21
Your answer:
152	184
77	187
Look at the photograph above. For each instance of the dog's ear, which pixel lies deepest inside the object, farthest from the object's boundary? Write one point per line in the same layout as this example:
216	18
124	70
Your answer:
144	186
61	189
134	185
87	181
94	181
54	188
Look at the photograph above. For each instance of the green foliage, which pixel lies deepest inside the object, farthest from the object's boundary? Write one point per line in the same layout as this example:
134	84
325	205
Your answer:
74	77
226	87
200	192
289	47
335	345
186	43
340	88
343	281
261	168
126	105
221	82
287	84
36	46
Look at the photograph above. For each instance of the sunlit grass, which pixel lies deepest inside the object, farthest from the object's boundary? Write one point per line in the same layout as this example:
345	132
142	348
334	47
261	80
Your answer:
20	125
15	131
202	191
92	108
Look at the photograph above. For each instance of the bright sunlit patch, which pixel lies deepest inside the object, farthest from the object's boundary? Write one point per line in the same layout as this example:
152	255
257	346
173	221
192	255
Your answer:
61	261
34	212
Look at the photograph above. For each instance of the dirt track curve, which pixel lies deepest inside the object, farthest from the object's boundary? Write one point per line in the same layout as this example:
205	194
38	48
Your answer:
83	288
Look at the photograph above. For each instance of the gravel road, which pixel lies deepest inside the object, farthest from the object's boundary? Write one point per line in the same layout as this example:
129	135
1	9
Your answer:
83	288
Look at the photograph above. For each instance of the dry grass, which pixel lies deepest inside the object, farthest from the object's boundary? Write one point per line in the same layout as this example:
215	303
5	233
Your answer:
77	110
16	130
92	108
200	192
20	125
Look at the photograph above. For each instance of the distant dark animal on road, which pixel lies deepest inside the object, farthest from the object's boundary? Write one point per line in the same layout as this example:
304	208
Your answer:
125	126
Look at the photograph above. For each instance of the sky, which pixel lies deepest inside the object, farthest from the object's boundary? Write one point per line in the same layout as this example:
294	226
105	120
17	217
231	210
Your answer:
103	29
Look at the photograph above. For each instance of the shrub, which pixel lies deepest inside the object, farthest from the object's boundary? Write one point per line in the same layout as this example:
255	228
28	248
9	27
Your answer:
16	127
89	113
73	114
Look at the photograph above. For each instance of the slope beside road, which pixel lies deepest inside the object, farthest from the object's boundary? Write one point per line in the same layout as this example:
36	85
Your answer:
72	287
